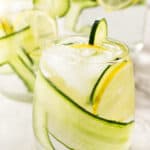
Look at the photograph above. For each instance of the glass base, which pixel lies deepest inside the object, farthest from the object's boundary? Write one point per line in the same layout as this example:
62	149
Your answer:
12	87
38	146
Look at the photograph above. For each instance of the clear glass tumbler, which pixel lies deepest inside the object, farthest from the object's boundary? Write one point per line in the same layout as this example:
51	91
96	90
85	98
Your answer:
22	38
84	97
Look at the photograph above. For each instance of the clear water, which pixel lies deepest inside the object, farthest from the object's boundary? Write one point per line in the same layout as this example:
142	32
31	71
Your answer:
126	25
76	70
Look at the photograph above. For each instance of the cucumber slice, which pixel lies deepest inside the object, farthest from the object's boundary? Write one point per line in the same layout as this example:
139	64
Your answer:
22	70
97	82
58	145
8	29
5	51
54	112
40	124
44	31
55	8
25	57
77	6
117	77
11	53
99	32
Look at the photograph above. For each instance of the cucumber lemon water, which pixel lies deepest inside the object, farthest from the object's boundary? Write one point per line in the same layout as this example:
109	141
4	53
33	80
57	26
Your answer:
22	41
80	101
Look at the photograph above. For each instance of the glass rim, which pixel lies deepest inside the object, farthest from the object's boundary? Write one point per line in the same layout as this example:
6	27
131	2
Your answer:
109	42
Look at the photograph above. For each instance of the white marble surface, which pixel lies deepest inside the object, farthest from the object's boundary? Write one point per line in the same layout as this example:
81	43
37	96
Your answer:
15	125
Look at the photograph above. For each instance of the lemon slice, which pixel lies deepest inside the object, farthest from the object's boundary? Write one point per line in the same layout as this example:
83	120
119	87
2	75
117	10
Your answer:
2	32
55	8
6	26
111	5
98	48
43	26
113	94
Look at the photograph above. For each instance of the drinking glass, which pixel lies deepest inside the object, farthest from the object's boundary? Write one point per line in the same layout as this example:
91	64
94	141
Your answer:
70	77
23	34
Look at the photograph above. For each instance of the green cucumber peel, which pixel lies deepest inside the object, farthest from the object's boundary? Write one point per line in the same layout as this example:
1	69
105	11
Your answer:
99	32
40	127
106	130
15	33
97	82
23	72
52	85
17	57
6	50
22	53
